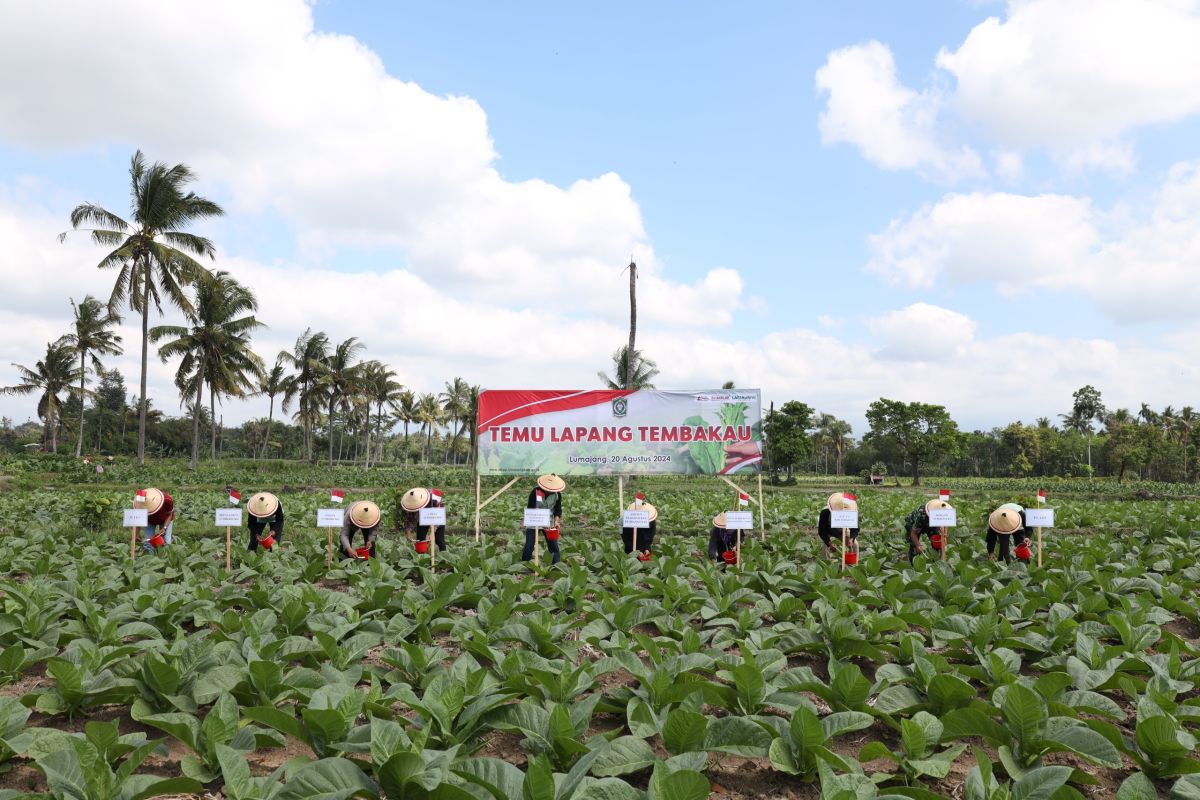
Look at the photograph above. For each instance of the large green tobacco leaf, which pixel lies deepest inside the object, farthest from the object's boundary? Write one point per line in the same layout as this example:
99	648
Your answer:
329	779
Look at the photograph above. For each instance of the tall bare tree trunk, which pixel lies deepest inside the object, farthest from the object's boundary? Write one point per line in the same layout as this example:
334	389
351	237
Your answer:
141	453
196	423
82	378
632	324
212	423
267	432
331	398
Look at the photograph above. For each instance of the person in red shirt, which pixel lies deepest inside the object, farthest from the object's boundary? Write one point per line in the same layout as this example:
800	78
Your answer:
160	517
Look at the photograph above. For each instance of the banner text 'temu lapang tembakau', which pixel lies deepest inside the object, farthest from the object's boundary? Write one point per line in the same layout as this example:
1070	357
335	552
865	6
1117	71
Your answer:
606	432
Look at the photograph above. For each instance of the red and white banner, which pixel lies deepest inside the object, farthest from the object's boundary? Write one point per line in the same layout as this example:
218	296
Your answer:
611	432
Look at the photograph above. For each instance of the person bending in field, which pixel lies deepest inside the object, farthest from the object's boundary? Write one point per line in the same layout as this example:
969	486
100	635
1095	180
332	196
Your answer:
916	525
645	536
361	517
264	510
411	503
836	502
547	494
1005	524
160	519
722	543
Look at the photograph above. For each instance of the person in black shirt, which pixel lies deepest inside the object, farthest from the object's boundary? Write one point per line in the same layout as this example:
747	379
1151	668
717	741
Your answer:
547	494
1005	523
645	536
836	502
411	503
722	544
361	517
916	525
264	510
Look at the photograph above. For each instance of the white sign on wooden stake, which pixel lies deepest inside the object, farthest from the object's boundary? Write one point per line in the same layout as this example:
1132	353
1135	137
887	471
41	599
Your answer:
229	518
635	519
843	519
431	516
1039	517
943	518
537	518
329	517
135	518
739	520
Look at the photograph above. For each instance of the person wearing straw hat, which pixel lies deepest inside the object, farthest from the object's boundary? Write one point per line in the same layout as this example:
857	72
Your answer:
645	536
160	519
411	504
722	544
836	502
264	510
916	525
546	494
1004	524
361	517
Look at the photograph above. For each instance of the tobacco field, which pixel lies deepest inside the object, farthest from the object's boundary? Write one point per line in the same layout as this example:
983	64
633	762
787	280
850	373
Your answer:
602	678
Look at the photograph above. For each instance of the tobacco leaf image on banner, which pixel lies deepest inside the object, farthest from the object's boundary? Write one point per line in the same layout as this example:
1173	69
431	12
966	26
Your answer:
615	432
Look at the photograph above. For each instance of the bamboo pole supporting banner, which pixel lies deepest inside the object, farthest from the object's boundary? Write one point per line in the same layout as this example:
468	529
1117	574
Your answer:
497	493
620	493
756	501
228	549
762	523
478	535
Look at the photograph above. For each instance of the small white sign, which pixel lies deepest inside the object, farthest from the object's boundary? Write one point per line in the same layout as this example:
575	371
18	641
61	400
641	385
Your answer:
329	517
537	518
431	516
135	518
229	518
943	517
1039	517
843	519
739	520
635	519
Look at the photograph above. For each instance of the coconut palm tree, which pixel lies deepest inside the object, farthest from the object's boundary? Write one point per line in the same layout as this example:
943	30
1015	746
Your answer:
429	414
642	371
54	374
276	383
456	403
406	413
382	389
91	334
310	350
215	349
153	254
337	377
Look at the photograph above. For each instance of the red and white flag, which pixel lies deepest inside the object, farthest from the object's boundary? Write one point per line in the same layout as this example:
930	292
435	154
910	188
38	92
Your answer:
540	495
945	495
1041	495
849	496
435	497
743	499
140	496
337	496
235	497
639	498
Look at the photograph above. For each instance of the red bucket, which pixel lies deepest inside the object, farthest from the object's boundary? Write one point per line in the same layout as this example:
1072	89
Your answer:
422	547
851	557
552	534
936	540
1023	552
268	541
363	552
643	556
157	540
730	557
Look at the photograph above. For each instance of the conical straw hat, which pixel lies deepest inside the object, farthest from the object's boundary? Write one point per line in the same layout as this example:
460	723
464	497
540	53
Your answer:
154	500
838	502
644	507
552	483
719	520
263	504
933	505
1004	520
415	499
364	514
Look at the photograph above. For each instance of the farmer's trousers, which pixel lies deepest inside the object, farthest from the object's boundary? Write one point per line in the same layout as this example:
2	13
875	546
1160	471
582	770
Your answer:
552	546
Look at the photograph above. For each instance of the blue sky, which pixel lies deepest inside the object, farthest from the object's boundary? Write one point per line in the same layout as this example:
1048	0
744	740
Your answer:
834	202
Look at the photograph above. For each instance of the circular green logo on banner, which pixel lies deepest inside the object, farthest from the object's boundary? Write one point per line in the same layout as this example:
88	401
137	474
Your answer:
620	405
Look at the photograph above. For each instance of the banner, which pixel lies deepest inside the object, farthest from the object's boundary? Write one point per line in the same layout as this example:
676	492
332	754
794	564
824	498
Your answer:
606	432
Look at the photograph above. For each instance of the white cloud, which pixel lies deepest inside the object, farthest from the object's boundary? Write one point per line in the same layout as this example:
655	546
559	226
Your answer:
1138	270
1068	74
892	125
922	332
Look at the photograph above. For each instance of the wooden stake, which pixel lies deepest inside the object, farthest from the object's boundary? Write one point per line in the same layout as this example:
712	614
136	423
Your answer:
228	547
845	533
739	547
621	494
945	542
762	524
1039	533
432	549
477	533
635	550
133	533
537	541
329	548
496	494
